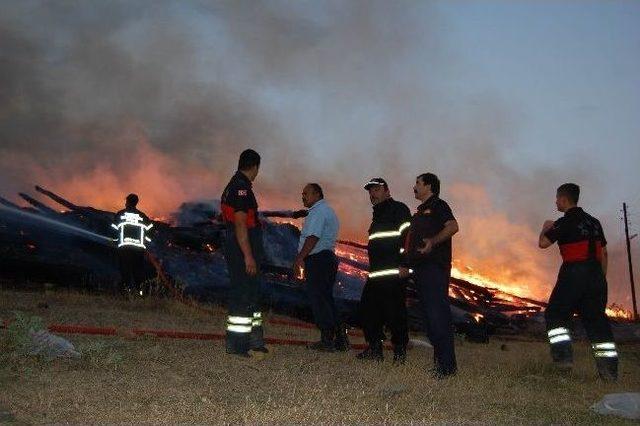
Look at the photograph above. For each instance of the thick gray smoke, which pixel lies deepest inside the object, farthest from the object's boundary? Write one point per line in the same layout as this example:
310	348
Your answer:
99	98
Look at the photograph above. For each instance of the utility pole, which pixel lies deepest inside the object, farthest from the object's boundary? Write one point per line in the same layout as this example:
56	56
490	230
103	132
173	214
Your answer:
633	287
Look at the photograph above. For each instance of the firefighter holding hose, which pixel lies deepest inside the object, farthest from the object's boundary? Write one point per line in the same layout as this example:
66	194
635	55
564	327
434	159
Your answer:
132	227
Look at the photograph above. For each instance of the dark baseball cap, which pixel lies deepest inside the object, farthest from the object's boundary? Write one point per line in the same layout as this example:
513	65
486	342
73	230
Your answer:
375	181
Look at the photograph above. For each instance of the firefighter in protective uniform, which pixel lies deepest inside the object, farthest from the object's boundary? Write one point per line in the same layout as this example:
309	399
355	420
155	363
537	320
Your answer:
581	287
132	227
383	298
243	252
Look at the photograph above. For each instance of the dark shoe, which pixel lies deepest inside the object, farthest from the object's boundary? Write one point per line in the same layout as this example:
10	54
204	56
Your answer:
322	346
342	340
607	369
373	352
326	343
442	375
562	353
399	355
261	349
564	366
239	354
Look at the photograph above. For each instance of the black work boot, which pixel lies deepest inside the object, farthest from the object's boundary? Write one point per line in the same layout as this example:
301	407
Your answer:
607	369
326	343
342	340
399	354
235	347
562	355
372	353
256	340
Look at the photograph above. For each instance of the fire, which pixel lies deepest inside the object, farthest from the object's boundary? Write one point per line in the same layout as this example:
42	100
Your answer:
490	251
616	311
478	279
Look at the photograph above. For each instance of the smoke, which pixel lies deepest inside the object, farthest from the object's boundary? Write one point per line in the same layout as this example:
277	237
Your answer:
99	99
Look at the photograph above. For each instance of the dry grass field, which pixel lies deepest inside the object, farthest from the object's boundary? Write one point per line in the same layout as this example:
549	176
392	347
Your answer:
145	380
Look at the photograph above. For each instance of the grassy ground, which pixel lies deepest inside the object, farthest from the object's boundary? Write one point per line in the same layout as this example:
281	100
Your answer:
162	381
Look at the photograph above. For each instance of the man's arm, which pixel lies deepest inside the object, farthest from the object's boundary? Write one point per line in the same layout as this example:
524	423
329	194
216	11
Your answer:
242	235
450	229
605	261
543	241
404	220
309	244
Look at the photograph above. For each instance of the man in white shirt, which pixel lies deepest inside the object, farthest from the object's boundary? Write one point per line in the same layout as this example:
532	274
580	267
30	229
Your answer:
316	257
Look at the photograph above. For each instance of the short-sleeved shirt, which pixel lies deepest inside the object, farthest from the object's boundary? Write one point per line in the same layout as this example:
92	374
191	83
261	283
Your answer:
427	222
579	236
238	196
322	223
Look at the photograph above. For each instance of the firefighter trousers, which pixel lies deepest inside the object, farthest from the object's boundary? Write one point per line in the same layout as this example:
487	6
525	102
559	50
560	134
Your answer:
581	288
383	304
132	269
244	329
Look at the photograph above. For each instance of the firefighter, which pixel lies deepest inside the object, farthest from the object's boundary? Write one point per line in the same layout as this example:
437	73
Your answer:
243	252
581	287
428	252
383	297
132	225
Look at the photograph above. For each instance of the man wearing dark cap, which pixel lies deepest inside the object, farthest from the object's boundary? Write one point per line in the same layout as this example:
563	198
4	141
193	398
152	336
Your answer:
428	251
383	298
132	225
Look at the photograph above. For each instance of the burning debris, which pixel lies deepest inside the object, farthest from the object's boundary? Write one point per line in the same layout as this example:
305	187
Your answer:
77	245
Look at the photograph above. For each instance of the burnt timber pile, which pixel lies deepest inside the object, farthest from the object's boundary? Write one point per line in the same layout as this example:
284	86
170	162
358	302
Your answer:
73	246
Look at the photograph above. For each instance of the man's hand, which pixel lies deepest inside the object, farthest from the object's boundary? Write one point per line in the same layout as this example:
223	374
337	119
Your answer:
298	268
427	247
250	266
404	272
543	241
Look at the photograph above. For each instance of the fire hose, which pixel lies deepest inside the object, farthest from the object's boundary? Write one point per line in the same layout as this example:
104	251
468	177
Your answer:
166	334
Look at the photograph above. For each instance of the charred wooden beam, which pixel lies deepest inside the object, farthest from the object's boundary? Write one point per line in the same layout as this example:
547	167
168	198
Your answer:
39	205
9	204
286	214
58	199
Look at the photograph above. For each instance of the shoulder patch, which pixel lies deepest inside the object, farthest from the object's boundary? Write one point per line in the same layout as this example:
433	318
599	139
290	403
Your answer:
242	192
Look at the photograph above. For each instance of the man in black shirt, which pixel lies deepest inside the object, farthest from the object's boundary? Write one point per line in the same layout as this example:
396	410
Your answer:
243	252
428	252
132	225
383	297
581	285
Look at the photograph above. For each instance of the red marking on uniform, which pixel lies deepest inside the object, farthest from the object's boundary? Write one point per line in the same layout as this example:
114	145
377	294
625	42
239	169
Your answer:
228	213
229	216
579	252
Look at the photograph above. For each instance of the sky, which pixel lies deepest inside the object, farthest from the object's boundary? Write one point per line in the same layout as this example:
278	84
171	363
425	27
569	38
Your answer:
504	100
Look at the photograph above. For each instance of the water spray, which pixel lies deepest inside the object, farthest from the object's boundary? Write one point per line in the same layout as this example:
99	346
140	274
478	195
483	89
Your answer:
61	225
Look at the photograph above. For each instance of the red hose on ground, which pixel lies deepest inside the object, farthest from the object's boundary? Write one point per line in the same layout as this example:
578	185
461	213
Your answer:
166	334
